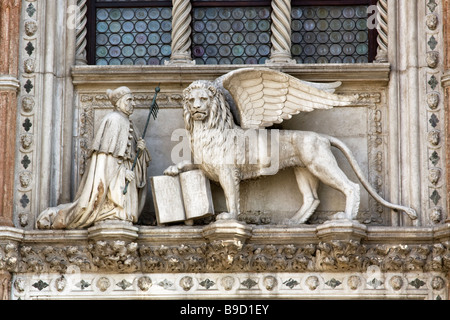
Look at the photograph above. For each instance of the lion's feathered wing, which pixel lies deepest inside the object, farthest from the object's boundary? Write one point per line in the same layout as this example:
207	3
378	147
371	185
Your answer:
264	97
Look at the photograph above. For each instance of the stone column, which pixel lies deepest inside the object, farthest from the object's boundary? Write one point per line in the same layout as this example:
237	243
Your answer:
181	32
382	39
9	49
81	32
281	33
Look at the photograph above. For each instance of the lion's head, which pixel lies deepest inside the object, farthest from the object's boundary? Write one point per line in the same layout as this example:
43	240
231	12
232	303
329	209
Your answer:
203	101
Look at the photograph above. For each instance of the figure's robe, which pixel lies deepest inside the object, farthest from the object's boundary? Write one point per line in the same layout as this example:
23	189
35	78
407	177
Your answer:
100	193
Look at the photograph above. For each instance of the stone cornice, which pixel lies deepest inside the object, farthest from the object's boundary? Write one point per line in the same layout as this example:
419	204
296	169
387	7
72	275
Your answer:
369	74
273	234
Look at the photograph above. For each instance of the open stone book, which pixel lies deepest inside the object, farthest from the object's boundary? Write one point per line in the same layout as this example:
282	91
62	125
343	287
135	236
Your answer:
182	198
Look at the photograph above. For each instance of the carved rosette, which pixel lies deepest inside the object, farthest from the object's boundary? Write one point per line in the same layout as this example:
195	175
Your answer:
181	32
281	32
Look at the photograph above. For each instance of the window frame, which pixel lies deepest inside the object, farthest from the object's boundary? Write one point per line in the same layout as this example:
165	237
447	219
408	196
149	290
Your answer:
94	4
373	33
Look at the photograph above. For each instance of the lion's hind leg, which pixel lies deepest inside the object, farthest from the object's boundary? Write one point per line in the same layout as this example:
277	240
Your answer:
326	169
307	184
330	174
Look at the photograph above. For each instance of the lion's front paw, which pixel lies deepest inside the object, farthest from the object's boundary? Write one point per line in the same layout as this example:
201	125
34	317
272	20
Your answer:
226	216
172	171
340	216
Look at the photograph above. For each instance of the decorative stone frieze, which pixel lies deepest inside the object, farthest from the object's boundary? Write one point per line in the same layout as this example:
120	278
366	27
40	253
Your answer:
128	257
333	247
371	284
45	267
25	168
435	153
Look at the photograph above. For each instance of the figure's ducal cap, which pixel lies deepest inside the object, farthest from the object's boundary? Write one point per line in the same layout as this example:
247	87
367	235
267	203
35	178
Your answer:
115	95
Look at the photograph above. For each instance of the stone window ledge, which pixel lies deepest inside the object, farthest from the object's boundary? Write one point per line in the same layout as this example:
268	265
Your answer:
369	74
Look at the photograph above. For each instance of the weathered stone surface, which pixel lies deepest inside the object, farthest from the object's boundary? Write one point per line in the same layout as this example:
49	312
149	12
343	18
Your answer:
402	145
168	199
182	198
9	60
197	198
227	246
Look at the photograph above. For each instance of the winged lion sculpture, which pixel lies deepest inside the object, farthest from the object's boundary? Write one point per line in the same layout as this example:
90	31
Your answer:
262	97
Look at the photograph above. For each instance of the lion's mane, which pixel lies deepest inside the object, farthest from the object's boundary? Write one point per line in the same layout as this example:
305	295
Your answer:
214	140
220	116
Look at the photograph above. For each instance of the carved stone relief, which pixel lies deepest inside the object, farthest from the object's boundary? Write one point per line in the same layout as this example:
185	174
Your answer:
435	115
280	285
25	167
337	267
130	257
90	103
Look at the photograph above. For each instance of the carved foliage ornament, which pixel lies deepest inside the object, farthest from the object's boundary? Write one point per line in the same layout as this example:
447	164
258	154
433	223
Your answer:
123	257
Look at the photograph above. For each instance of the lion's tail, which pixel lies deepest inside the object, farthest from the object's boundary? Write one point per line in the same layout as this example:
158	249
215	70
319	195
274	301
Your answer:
356	168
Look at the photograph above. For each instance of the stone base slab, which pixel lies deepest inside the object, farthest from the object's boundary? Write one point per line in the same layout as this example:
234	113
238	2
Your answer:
228	259
372	285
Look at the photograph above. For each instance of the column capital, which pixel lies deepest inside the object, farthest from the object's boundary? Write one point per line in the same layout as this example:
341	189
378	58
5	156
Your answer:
8	82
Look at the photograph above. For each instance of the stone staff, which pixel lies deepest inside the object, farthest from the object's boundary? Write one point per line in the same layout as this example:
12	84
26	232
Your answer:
153	111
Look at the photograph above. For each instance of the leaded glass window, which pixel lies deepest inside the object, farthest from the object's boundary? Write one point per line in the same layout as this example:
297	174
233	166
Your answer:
231	35
139	32
330	34
132	35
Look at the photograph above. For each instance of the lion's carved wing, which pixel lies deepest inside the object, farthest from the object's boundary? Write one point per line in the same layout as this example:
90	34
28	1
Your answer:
264	96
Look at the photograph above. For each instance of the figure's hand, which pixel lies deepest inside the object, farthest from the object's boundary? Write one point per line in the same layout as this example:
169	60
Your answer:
129	175
172	171
141	144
